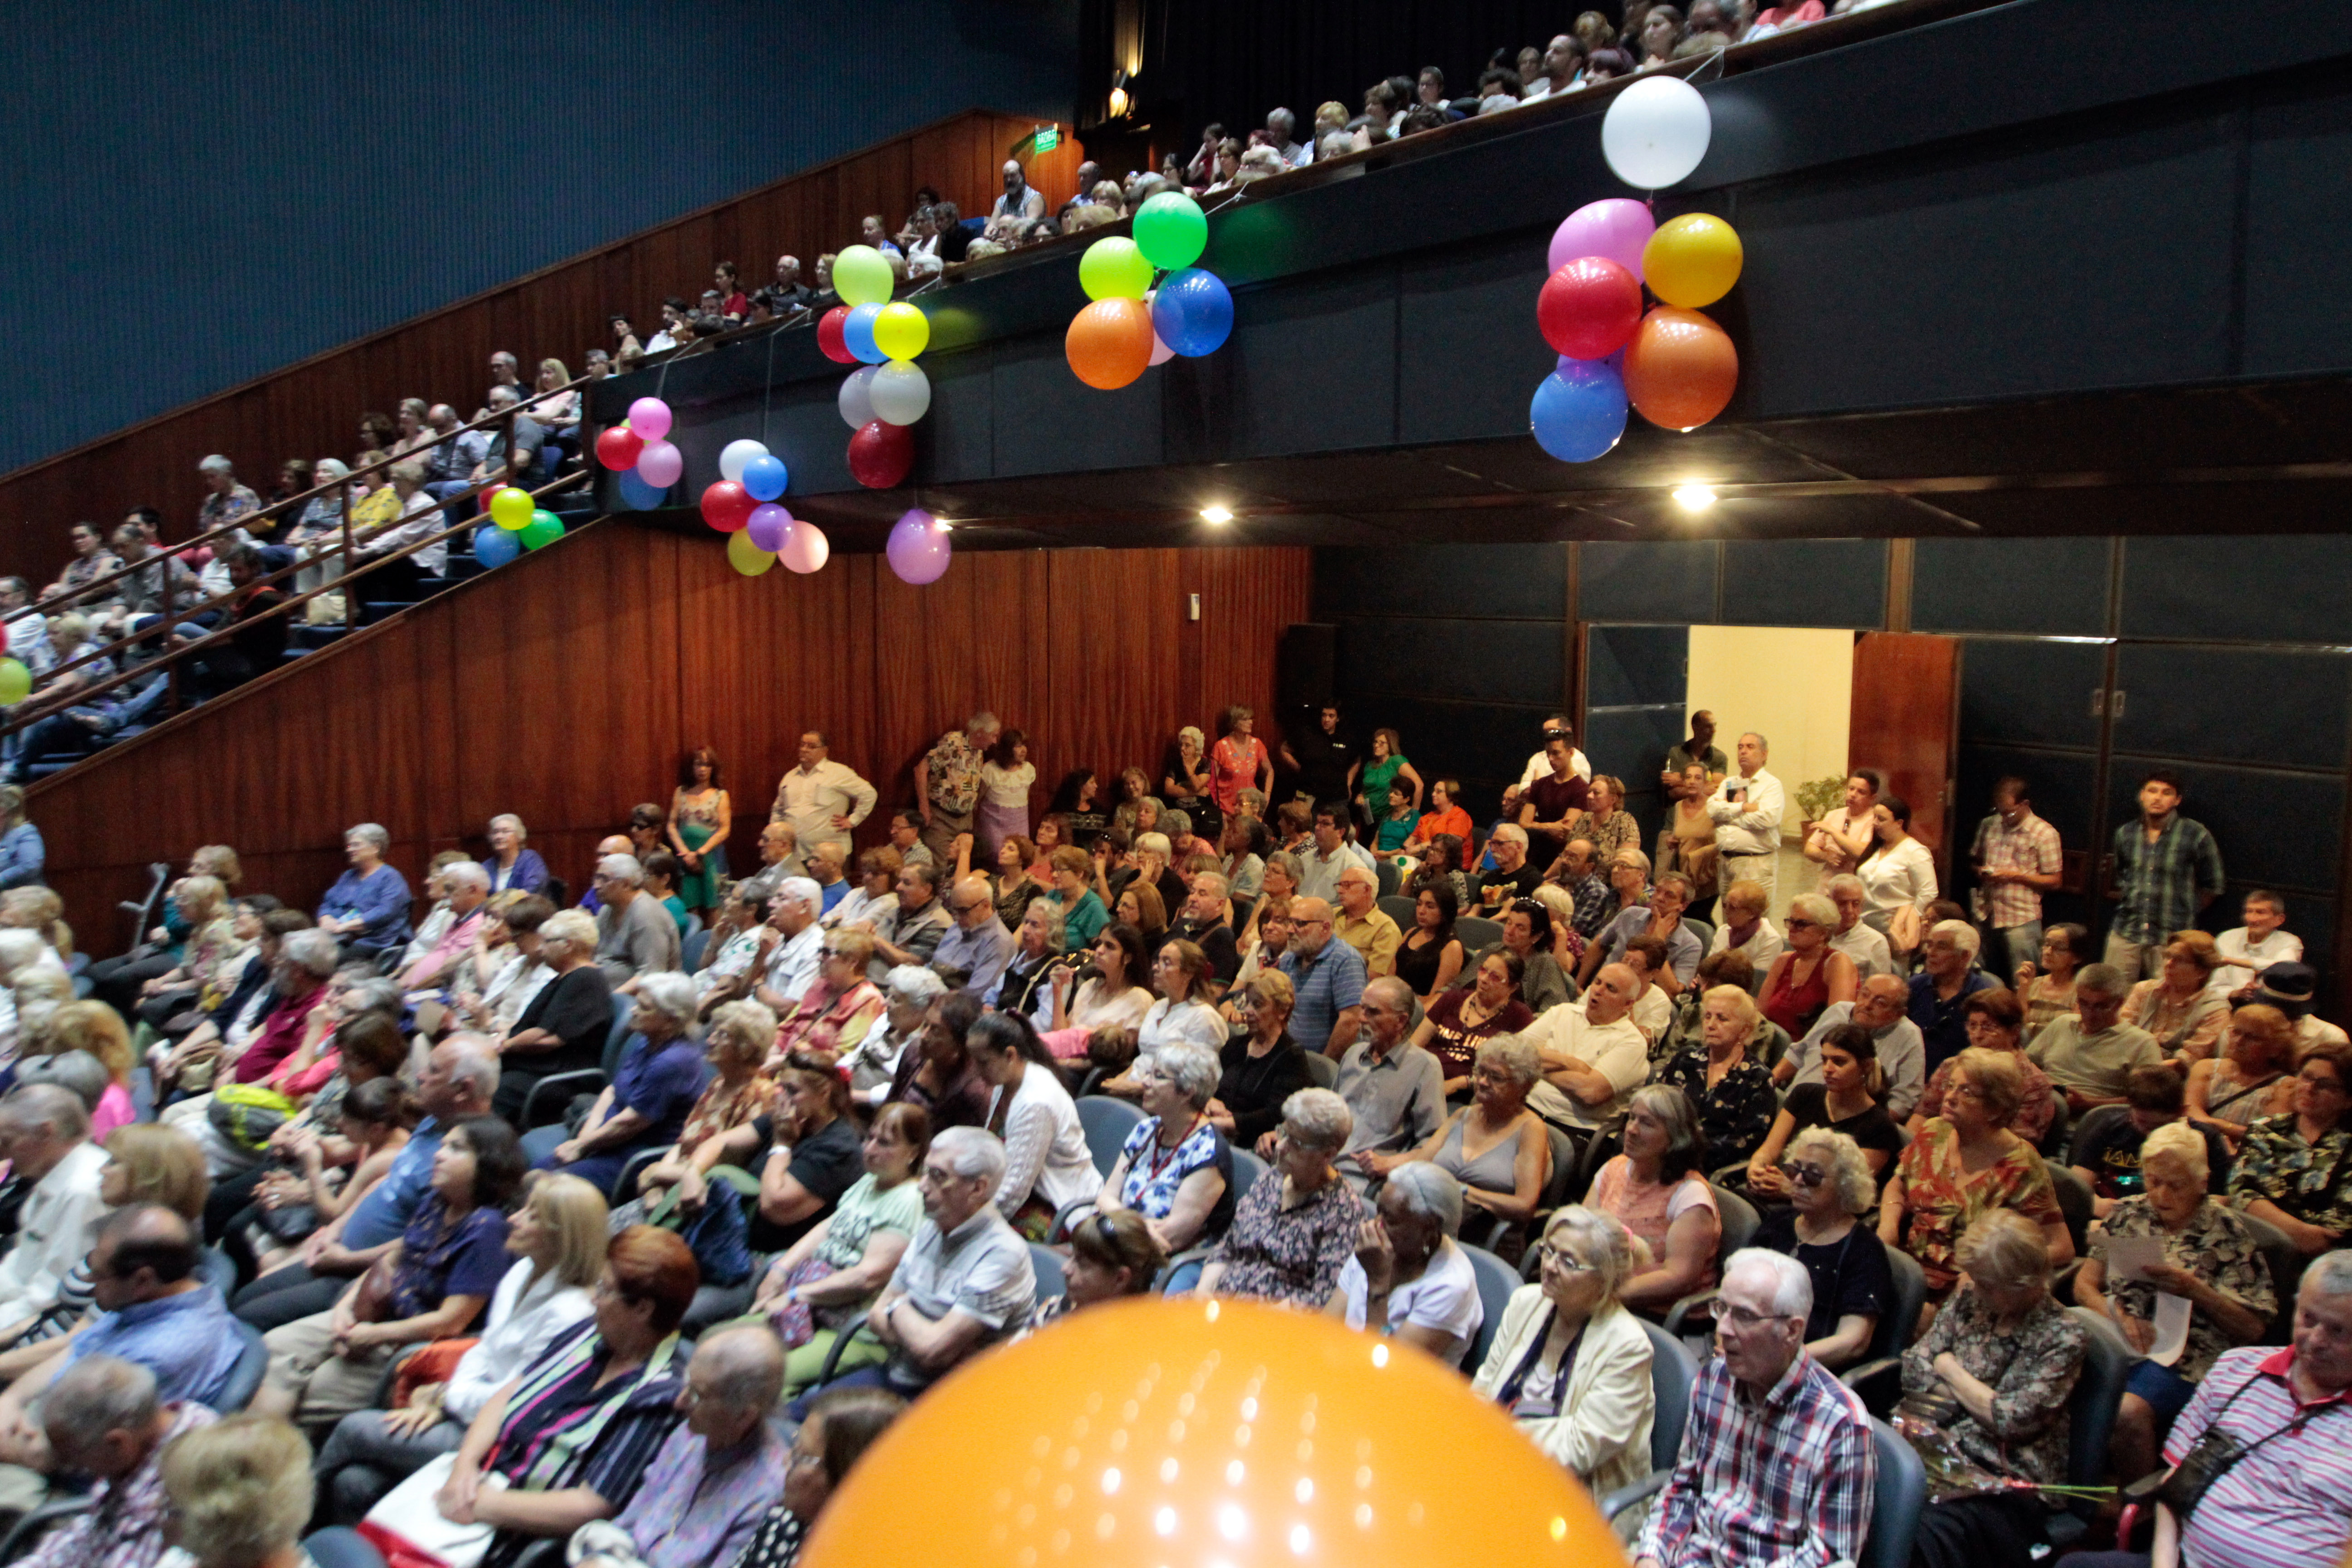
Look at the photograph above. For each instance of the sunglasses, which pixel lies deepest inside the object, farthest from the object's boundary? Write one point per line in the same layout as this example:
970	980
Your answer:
1804	1175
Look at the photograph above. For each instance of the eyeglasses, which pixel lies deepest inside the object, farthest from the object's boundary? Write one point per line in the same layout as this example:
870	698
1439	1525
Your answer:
1561	1259
1796	923
1804	1175
1745	1317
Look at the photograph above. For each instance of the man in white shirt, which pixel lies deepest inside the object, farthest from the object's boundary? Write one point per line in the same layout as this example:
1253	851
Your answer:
1559	71
47	1131
1593	1055
2262	942
823	800
28	634
1539	765
1880	1007
1853	938
792	967
1322	861
1747	807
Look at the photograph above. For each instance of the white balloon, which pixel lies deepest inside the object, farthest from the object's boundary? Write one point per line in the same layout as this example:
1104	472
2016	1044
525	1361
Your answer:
738	453
900	392
1655	132
857	402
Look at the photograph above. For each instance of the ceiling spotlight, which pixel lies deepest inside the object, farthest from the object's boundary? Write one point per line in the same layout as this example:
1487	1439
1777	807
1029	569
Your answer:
1695	496
1216	514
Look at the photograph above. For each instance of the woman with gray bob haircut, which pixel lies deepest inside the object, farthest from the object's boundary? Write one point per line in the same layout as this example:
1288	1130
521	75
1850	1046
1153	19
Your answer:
1176	1169
1830	1187
909	991
654	1086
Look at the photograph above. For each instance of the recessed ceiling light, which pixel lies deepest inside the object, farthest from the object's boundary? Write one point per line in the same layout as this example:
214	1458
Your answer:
1216	514
1695	496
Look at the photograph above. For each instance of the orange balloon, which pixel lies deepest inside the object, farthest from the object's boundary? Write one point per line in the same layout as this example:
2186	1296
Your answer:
1148	1432
1680	368
1110	343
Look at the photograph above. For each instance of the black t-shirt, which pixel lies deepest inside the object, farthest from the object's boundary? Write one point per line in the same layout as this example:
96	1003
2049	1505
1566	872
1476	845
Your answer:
1216	943
1254	1088
1323	763
1522	882
1849	1275
1808	1104
577	1006
827	1164
2111	1153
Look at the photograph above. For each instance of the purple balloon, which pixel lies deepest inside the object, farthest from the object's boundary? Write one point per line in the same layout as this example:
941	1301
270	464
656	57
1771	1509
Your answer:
919	549
1617	228
769	527
660	464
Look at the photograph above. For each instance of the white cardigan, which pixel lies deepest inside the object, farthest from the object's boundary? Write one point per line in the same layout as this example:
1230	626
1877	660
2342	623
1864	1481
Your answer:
1045	1145
1603	1433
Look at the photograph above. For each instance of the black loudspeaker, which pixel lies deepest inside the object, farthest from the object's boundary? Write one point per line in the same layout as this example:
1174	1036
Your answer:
1306	666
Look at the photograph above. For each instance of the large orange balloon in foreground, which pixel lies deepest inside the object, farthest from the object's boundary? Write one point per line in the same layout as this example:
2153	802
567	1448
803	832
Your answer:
1109	342
1150	1433
1680	368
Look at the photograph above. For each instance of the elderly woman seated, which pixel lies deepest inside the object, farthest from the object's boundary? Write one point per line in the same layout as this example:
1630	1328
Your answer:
506	969
2210	1260
1026	985
1995	1021
1262	1066
556	1238
1569	1362
1658	1190
564	1026
1495	1146
440	1275
840	1005
1986	1390
2248	1079
1963	1165
1830	1188
236	1494
2295	1169
1733	1091
737	1043
645	1106
909	991
1409	1278
1300	1223
1176	1169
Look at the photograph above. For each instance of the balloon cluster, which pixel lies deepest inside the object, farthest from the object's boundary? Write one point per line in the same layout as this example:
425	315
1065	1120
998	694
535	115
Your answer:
516	523
890	392
742	504
1131	326
637	450
1671	363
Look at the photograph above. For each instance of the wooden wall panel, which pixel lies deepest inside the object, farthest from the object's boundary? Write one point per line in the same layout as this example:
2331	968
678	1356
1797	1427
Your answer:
566	687
311	409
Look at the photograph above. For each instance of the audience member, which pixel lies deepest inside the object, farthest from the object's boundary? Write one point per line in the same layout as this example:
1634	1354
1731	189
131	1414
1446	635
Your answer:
1658	1190
636	937
1963	1166
1362	925
2295	1169
654	1086
1175	1170
1457	1023
367	907
1328	977
106	1419
1878	1007
46	1131
1992	1023
2017	857
236	1493
1298	1227
2226	1094
2262	942
2090	1053
1594	1056
2166	870
1830	1186
2177	1006
1732	1091
1045	1159
1941	991
1494	1147
838	1429
1408	1278
1746	809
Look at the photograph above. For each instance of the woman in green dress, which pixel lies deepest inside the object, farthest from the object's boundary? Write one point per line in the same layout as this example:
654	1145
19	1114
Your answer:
1385	764
699	815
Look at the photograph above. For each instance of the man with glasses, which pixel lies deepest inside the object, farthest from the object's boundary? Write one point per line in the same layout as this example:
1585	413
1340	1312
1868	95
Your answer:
1940	991
1514	876
635	935
2089	1053
912	930
1853	936
1394	1088
974	950
1328	978
1776	1465
1902	1051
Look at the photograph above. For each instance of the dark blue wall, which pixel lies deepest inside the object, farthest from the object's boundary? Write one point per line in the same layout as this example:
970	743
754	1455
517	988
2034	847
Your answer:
198	194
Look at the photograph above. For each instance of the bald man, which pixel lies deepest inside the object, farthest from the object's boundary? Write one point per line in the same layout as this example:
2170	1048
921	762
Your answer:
976	947
1594	1056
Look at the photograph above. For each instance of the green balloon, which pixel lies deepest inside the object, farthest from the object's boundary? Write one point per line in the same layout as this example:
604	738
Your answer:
861	276
544	528
1113	269
1171	231
15	681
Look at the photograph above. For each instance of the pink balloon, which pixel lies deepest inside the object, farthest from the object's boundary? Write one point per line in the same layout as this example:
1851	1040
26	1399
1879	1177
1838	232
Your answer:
918	547
770	526
1617	228
806	547
660	465
649	416
1160	353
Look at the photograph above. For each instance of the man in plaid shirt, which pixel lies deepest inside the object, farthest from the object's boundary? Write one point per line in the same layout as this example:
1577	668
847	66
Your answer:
1777	1466
2166	870
2018	859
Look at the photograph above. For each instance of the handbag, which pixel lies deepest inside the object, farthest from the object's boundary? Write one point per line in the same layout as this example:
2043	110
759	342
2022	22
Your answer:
246	1114
373	1302
407	1528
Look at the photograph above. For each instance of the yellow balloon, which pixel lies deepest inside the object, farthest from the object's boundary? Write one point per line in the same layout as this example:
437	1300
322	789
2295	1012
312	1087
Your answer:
901	331
746	557
1149	1432
1692	260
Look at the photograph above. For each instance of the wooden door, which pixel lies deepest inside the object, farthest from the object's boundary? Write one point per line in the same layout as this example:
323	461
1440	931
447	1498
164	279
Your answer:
1905	724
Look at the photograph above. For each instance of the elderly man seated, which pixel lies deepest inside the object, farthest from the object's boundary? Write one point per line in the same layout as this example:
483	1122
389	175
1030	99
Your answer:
1776	1465
973	952
2089	1053
106	1419
1394	1088
793	964
1902	1049
441	966
46	1132
702	1497
1594	1056
1362	925
151	1307
910	933
635	935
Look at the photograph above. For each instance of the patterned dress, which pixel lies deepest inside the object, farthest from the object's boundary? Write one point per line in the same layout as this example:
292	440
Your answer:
1941	1199
2216	1246
1737	1113
2030	1370
1290	1256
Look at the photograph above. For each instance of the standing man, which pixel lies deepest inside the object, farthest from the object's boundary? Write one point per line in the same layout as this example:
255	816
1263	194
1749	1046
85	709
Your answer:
823	800
1325	762
1699	748
1539	765
947	781
2018	858
1330	853
1747	807
2167	869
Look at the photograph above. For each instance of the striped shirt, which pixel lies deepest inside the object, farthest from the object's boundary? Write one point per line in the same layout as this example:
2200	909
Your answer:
1784	1480
2286	1503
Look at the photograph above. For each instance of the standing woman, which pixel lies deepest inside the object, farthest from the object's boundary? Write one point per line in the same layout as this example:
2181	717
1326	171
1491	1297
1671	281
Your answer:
1385	763
1239	761
1686	843
22	853
1187	783
699	815
1897	874
1004	783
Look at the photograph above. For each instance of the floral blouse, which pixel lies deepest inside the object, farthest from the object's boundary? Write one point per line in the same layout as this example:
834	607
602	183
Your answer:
2216	1246
826	1022
2030	1370
1290	1256
1153	1173
1737	1113
1940	1199
722	1109
2309	1181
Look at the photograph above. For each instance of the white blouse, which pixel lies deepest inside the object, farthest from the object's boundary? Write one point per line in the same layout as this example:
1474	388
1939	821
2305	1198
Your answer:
1893	877
1044	1144
1167	1022
522	1324
1093	1009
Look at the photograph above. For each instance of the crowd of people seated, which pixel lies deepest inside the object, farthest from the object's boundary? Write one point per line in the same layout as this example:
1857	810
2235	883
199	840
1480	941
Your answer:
504	1179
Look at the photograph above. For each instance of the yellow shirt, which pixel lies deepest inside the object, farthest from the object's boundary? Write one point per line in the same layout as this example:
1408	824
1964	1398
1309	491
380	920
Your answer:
1375	936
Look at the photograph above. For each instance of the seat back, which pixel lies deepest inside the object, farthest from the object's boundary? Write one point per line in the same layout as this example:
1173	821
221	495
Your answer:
244	1377
1321	1070
1672	1374
1897	1502
1894	1330
1563	1169
1390	880
2098	1394
1106	1121
2287	1263
1741	1222
1605	1144
1477	933
697	943
1048	1266
2074	1201
618	1040
1247	1169
1400	909
1702	929
1497	1281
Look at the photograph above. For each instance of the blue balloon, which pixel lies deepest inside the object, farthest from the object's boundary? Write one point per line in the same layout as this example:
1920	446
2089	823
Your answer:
639	495
1579	410
494	546
764	477
857	334
1193	312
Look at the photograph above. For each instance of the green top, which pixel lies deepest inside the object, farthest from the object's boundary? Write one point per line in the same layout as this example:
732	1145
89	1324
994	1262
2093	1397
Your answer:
1375	780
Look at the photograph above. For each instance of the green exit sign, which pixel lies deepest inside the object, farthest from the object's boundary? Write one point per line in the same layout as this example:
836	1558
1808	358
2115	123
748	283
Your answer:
1047	137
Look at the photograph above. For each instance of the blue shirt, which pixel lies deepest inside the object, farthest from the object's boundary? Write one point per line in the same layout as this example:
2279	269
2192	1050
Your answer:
187	1341
22	854
981	955
1944	1024
660	1085
529	872
380	900
1328	985
383	1214
834	894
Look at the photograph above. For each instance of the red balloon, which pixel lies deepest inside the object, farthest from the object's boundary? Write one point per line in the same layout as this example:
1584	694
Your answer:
1589	308
1680	369
829	338
727	506
618	448
881	454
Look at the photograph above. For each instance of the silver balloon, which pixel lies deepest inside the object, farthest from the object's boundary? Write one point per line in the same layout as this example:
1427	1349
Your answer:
857	399
900	392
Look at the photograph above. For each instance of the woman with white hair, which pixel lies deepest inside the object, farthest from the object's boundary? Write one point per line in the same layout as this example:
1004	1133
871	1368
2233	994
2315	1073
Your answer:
1409	1278
909	991
1176	1169
315	535
563	1027
1569	1362
510	862
237	1494
1734	1092
1300	1223
2211	1260
1830	1186
653	1089
367	909
1188	783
